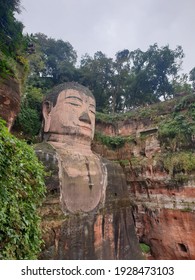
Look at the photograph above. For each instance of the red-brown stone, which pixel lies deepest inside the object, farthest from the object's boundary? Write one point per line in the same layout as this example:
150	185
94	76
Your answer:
9	100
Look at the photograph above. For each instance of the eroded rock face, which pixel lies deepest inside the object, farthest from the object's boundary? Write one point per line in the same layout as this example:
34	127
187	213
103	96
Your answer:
87	213
170	234
165	200
9	100
165	217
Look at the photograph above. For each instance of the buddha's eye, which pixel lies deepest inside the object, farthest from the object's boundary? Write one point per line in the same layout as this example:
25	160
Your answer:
74	100
92	108
74	104
92	112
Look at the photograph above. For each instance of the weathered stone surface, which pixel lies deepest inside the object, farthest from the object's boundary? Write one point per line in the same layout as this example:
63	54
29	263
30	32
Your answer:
106	232
108	129
164	201
169	233
9	100
87	213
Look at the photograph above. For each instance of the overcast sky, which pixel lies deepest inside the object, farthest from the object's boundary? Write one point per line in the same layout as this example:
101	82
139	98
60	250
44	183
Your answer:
113	25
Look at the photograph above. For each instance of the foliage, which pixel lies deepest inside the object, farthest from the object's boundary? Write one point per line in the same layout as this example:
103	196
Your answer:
144	247
5	66
52	63
29	121
13	45
153	112
11	38
107	118
187	209
29	118
13	67
179	162
176	132
152	73
121	72
192	77
181	85
21	190
186	102
133	78
33	98
113	142
95	73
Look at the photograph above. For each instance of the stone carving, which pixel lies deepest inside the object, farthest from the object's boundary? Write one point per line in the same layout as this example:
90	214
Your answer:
97	220
69	128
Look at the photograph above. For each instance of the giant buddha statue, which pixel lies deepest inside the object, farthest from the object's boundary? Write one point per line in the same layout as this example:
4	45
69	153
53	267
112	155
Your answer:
93	219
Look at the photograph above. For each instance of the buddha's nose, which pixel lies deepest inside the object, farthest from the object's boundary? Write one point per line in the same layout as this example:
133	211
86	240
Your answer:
85	118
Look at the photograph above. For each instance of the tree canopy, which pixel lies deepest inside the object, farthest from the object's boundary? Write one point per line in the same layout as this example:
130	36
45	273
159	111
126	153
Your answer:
53	61
11	37
133	78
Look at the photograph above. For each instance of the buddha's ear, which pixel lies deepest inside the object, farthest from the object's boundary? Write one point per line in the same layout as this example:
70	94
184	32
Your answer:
47	108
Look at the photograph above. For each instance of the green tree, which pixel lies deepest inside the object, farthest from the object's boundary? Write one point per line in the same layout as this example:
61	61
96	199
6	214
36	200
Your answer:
139	90
29	119
192	77
121	68
11	38
53	61
164	64
152	74
181	85
96	73
106	78
13	45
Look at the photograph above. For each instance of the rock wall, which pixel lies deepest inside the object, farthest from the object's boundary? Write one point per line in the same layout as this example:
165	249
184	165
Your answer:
9	100
164	198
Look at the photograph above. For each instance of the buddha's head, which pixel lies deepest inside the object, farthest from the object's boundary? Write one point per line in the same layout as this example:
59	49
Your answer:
69	110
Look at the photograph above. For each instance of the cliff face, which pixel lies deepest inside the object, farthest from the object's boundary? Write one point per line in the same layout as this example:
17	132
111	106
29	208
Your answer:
9	100
155	147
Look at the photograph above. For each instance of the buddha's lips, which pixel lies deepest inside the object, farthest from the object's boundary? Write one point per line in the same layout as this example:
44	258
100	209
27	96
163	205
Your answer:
86	127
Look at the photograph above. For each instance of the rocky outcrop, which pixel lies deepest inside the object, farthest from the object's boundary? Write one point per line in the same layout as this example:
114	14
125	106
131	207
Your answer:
169	232
160	173
106	232
165	214
9	100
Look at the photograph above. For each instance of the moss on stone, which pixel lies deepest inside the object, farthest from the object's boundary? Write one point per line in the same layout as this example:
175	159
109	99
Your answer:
145	248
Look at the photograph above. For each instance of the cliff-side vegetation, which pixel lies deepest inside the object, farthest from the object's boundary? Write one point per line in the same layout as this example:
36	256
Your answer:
177	130
182	163
112	142
28	122
13	44
174	120
171	123
21	191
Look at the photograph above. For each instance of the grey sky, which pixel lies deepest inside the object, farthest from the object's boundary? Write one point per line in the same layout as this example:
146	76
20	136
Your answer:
113	25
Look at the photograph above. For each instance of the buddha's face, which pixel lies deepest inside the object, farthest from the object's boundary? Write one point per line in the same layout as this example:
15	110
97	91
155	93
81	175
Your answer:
73	114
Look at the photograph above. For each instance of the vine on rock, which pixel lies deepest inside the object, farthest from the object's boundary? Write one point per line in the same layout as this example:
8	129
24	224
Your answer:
22	191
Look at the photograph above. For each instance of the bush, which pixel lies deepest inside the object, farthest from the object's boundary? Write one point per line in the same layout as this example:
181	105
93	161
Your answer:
179	162
29	121
145	248
176	132
113	142
21	191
